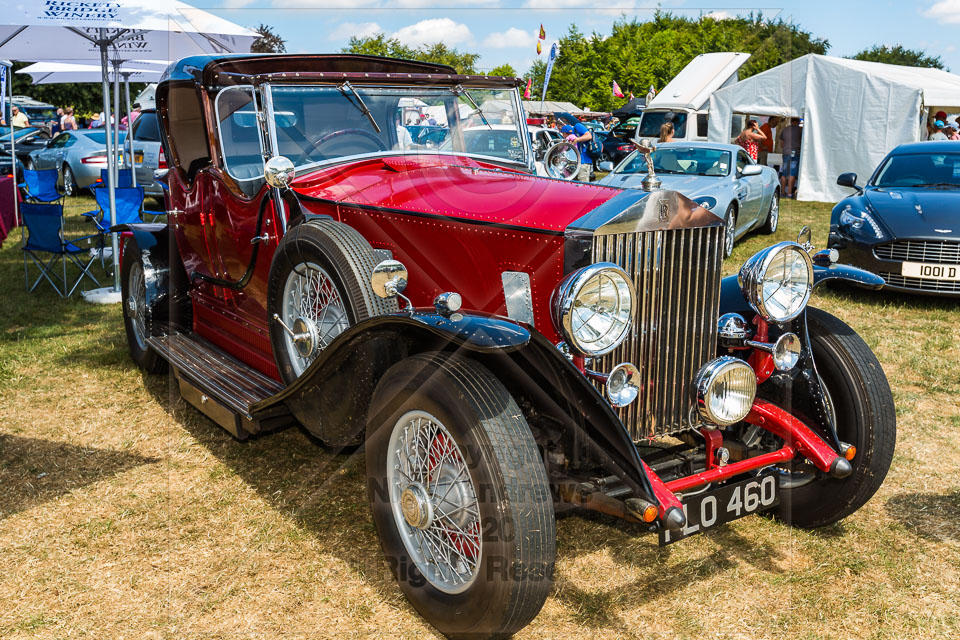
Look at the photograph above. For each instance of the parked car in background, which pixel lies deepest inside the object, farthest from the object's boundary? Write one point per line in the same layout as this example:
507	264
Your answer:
40	114
26	140
543	138
904	223
626	130
502	345
148	152
614	149
78	156
719	177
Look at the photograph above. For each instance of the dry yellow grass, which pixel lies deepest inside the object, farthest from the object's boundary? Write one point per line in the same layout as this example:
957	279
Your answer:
124	513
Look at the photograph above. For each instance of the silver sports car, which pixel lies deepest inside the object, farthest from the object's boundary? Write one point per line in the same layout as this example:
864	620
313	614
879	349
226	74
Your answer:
721	177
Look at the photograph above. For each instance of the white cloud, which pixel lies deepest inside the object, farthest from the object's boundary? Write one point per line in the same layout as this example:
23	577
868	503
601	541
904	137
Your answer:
945	11
434	30
235	4
356	30
719	15
511	38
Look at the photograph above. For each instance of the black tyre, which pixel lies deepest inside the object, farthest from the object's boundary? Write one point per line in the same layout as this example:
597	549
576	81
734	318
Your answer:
319	286
730	229
865	416
135	318
445	422
773	214
69	182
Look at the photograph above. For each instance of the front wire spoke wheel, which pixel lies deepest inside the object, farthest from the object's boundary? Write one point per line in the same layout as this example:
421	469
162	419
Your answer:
438	514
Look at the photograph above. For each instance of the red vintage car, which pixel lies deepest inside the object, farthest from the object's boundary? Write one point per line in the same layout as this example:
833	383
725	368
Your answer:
504	345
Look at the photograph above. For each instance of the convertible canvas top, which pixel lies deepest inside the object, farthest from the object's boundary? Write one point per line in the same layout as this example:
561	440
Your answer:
211	70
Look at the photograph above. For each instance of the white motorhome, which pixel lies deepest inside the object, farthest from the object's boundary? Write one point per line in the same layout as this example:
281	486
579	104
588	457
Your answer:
686	98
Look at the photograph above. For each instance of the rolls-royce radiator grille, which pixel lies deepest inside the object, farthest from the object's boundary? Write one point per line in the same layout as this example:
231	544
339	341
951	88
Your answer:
677	276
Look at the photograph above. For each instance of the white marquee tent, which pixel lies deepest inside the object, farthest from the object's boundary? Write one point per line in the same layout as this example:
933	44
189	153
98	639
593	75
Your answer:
854	112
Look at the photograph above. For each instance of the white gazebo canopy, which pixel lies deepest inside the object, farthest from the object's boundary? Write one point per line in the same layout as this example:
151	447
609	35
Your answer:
66	72
854	112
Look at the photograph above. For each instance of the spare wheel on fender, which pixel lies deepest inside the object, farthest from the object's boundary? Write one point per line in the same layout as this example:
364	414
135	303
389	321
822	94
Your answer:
319	285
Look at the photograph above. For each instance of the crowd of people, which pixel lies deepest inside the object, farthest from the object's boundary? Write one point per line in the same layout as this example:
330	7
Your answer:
939	128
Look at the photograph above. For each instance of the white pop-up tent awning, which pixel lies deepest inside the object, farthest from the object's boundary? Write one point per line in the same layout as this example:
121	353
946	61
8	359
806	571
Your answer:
66	72
692	87
854	112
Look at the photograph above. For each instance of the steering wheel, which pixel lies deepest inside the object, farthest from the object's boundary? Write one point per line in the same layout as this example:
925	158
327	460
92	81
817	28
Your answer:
900	181
333	135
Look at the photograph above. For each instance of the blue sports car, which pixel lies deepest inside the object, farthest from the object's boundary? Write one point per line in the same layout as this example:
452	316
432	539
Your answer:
903	224
720	177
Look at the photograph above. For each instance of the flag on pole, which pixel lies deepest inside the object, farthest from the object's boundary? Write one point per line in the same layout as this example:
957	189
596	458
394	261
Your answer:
546	78
616	90
526	93
539	48
543	34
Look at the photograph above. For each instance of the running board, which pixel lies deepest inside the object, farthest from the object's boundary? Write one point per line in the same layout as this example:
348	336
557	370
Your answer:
220	386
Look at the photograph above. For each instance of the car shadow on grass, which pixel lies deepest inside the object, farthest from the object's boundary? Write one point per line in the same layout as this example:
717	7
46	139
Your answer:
33	470
933	516
324	493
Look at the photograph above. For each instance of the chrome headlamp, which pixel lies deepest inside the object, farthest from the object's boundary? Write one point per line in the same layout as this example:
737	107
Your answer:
726	388
593	308
777	281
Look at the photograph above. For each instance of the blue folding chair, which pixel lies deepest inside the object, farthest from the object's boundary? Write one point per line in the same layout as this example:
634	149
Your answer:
124	178
129	200
44	224
41	185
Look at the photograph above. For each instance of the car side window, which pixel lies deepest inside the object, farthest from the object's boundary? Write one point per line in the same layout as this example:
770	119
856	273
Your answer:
702	124
239	135
61	141
145	128
742	160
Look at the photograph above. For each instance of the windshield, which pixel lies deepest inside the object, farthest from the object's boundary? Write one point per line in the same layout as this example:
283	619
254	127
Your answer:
691	161
919	170
318	124
651	121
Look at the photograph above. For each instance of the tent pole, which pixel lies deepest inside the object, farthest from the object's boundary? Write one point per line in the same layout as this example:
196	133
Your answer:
130	153
13	155
111	159
116	165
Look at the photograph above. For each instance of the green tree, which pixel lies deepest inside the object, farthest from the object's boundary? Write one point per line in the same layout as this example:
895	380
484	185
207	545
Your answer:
503	70
898	54
268	42
639	54
439	53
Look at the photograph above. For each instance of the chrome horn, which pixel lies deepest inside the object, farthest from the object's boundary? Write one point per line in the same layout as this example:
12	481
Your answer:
562	161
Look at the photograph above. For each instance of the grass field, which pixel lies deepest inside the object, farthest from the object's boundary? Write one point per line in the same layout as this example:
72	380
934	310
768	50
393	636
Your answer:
124	513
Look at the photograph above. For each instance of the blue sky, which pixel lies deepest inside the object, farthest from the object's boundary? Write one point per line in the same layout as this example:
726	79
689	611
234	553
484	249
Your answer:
504	30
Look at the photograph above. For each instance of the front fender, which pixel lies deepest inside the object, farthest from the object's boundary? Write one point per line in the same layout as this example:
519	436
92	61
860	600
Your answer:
331	398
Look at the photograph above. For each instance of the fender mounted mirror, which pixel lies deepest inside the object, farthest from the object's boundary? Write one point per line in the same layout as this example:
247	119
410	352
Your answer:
389	278
278	171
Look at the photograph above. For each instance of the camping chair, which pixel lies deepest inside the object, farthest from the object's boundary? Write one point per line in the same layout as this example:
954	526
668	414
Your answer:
124	178
128	201
41	185
44	224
